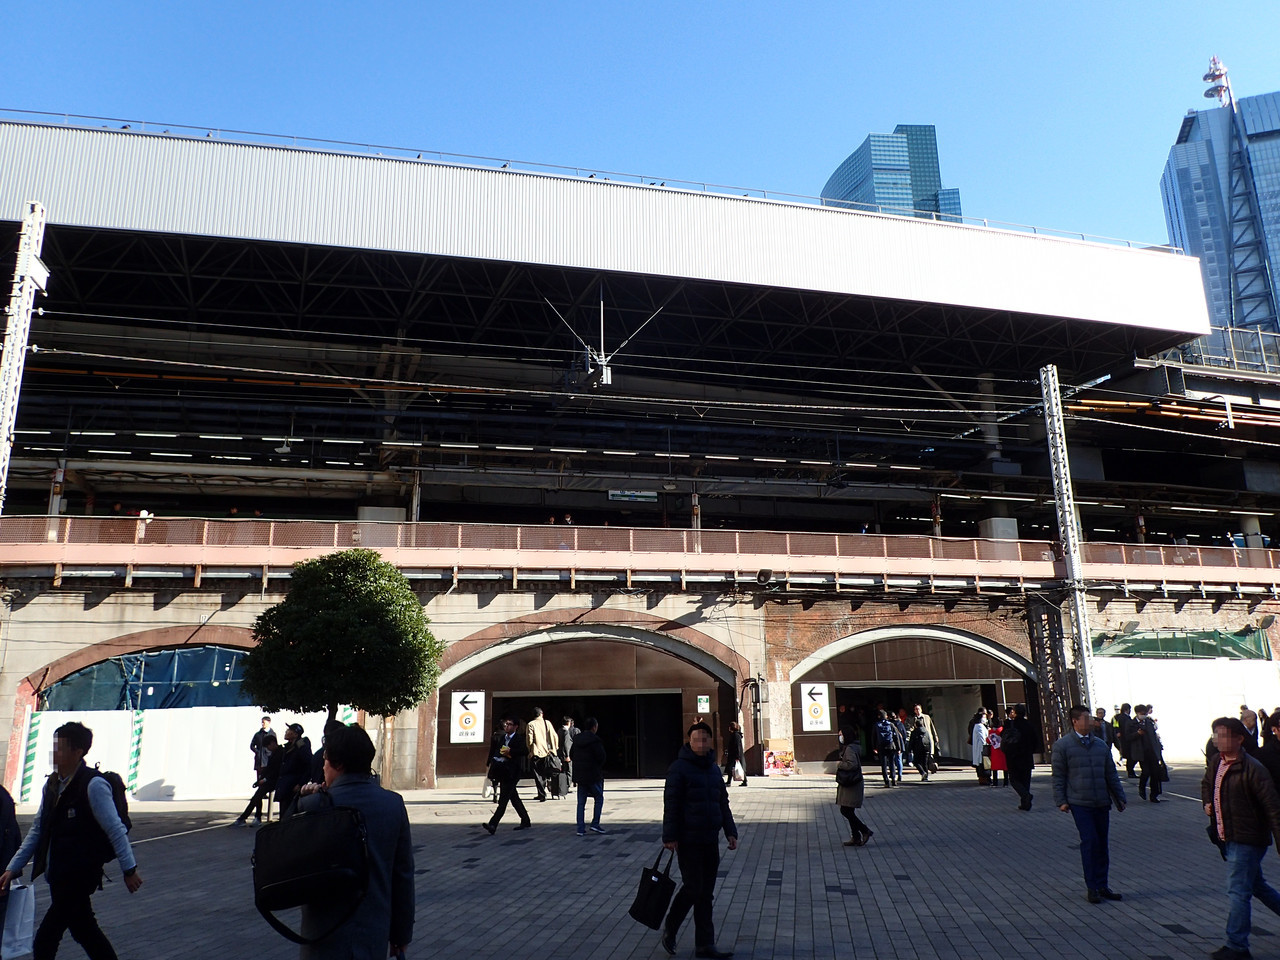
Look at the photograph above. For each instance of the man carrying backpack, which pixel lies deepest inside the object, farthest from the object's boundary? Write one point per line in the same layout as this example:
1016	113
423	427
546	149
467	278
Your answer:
77	830
889	745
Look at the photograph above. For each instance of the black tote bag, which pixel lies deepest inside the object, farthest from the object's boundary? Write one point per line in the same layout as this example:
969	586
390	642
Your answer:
655	893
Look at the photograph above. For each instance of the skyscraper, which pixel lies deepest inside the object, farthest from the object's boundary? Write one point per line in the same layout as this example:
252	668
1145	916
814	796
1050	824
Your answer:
895	173
1221	193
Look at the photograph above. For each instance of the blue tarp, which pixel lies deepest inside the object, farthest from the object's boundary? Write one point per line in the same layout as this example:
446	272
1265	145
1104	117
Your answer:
154	679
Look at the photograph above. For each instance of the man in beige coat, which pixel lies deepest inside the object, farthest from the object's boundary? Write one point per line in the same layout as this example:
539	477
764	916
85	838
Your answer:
543	742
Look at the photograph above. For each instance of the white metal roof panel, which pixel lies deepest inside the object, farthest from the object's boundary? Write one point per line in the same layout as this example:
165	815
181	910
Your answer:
153	183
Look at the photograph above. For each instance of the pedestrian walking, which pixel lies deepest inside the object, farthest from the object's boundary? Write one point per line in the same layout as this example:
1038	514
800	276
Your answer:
542	742
507	755
77	831
1144	744
1240	797
588	770
1018	741
695	810
1124	733
850	788
734	754
923	741
889	746
1086	784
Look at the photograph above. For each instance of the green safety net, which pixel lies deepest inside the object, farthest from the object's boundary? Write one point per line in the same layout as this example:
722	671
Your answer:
1247	644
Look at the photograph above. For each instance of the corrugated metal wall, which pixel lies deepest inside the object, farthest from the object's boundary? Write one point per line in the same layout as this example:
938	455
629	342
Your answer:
142	182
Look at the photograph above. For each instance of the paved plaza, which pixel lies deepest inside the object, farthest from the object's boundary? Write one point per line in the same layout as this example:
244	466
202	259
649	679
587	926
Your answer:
954	870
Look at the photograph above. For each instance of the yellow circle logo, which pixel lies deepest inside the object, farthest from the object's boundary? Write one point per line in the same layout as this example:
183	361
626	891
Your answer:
816	711
467	721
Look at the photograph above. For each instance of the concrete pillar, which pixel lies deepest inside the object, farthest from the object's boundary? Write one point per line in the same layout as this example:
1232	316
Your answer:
998	528
1251	527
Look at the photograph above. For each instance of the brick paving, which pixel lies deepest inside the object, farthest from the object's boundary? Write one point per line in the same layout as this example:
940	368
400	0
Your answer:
954	871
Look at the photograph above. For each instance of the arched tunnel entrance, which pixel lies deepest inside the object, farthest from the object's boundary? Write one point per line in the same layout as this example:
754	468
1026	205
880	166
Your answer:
644	697
950	672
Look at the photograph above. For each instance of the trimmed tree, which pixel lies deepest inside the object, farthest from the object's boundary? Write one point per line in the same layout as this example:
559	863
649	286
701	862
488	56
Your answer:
351	630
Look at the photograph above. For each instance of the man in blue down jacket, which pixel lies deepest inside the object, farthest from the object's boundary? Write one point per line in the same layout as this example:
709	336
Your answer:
383	923
1085	783
695	808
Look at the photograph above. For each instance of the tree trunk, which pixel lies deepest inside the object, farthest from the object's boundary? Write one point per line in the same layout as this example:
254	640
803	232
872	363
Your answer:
333	713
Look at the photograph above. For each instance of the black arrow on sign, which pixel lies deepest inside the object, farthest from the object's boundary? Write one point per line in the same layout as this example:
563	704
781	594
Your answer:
814	693
465	702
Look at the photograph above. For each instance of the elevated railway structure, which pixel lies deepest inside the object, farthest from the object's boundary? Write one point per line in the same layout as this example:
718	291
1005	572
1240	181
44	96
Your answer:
794	444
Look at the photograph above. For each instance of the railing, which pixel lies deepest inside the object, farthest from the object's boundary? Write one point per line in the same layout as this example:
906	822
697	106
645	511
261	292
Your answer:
340	535
431	155
141	547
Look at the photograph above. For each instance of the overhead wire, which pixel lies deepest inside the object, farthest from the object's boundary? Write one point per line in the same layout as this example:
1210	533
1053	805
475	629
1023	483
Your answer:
568	354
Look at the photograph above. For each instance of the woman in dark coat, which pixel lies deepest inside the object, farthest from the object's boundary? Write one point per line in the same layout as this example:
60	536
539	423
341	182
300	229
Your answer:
849	796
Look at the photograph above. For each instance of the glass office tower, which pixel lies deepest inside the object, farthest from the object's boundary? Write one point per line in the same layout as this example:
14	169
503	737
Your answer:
1221	193
895	173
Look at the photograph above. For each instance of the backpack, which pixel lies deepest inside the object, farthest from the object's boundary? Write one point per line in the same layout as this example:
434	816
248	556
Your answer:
884	733
119	796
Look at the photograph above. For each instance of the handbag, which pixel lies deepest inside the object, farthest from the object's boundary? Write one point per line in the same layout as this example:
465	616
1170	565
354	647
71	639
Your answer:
848	778
738	772
314	857
19	921
1164	772
655	893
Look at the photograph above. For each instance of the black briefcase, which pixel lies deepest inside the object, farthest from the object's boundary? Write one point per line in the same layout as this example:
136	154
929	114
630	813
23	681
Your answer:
655	893
313	858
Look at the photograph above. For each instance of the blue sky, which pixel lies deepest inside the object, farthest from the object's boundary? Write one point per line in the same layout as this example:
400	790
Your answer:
1058	114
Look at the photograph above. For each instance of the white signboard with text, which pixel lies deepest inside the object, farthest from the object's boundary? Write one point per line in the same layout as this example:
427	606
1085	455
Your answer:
466	717
815	701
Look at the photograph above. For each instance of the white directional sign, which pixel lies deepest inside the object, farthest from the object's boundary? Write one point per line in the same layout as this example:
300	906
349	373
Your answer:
815	700
466	717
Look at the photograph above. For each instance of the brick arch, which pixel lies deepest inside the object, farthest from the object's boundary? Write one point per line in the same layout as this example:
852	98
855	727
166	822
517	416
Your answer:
518	627
557	626
941	632
160	638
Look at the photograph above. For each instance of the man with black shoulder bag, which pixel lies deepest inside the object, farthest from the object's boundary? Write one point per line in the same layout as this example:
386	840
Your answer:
380	921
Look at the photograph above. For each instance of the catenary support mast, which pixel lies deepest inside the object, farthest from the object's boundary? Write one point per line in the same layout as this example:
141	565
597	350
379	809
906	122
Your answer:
29	275
1068	531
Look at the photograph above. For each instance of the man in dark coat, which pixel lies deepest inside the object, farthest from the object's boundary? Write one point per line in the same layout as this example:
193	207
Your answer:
507	755
1144	746
10	840
695	809
1124	731
295	767
268	779
1240	797
587	756
258	745
1018	741
383	923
